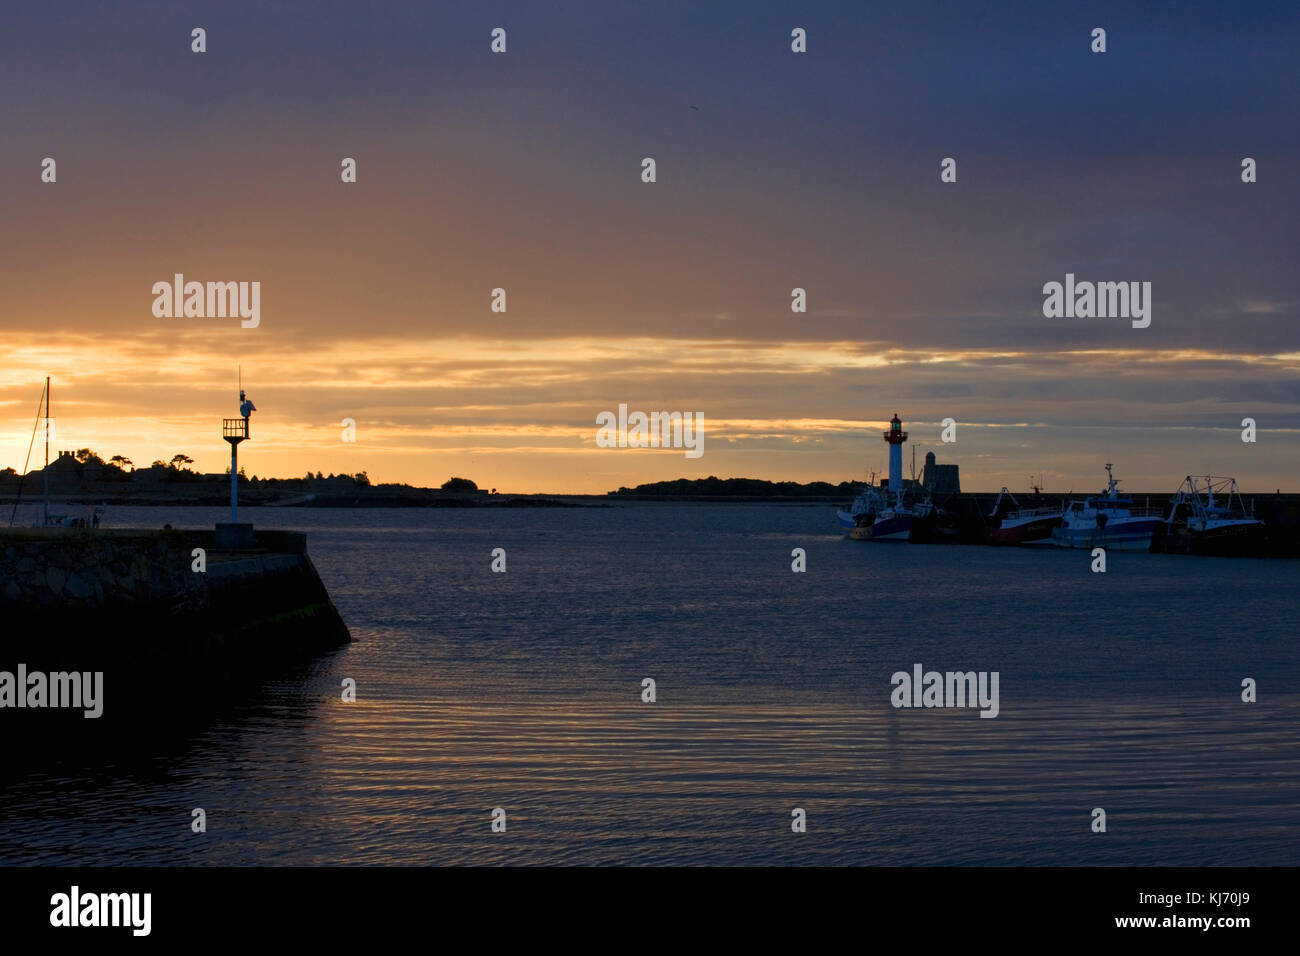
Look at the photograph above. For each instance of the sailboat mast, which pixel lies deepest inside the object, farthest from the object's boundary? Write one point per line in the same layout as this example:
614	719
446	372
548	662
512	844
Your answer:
45	472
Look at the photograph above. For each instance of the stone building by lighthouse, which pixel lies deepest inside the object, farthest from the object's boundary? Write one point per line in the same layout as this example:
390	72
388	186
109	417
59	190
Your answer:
895	437
940	479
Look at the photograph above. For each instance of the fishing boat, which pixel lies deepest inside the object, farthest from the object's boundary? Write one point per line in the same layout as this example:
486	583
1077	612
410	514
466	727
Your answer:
1207	516
898	520
862	512
1032	525
1107	521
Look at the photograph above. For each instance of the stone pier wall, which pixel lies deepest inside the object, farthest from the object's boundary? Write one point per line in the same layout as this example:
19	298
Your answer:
119	597
76	569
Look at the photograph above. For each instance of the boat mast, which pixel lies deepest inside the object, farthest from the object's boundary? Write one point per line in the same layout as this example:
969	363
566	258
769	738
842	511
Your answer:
45	472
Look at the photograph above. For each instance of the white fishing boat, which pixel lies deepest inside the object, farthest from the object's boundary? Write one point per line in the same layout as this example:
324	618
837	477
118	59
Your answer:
896	521
1107	521
862	512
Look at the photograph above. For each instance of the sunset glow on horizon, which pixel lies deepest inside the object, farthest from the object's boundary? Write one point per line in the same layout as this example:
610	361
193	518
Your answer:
521	416
522	172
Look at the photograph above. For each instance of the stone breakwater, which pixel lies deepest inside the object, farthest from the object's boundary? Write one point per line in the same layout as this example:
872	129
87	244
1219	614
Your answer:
132	604
72	570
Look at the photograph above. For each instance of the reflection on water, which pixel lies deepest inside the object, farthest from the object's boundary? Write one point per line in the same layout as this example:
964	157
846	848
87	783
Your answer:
522	691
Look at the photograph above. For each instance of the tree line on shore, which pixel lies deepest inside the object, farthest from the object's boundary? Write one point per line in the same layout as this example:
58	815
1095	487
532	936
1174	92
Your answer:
89	467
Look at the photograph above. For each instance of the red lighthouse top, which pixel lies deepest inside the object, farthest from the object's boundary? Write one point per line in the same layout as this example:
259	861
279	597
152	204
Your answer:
895	435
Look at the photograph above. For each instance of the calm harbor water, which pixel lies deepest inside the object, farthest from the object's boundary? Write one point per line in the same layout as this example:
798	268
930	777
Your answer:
522	690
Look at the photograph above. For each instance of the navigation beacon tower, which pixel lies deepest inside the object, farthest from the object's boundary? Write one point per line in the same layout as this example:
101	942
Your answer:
895	437
235	430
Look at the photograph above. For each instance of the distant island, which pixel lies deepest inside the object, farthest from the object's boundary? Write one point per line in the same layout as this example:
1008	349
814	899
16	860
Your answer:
739	488
86	477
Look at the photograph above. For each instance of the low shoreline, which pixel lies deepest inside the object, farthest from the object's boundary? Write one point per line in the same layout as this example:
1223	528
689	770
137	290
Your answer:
222	500
543	500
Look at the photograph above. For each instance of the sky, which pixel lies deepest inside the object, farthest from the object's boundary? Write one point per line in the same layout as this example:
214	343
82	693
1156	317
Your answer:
774	170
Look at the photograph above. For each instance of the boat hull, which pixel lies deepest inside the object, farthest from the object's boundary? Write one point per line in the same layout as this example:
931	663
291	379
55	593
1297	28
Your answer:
1134	535
895	527
1241	539
1035	531
848	519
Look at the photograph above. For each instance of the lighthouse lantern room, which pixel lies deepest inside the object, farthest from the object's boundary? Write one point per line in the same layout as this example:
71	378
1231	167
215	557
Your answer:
895	437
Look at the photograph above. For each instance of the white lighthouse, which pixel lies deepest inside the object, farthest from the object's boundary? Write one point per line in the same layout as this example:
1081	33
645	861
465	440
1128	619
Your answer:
895	437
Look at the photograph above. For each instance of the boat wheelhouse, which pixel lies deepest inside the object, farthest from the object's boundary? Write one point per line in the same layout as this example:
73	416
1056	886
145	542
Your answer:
1107	521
